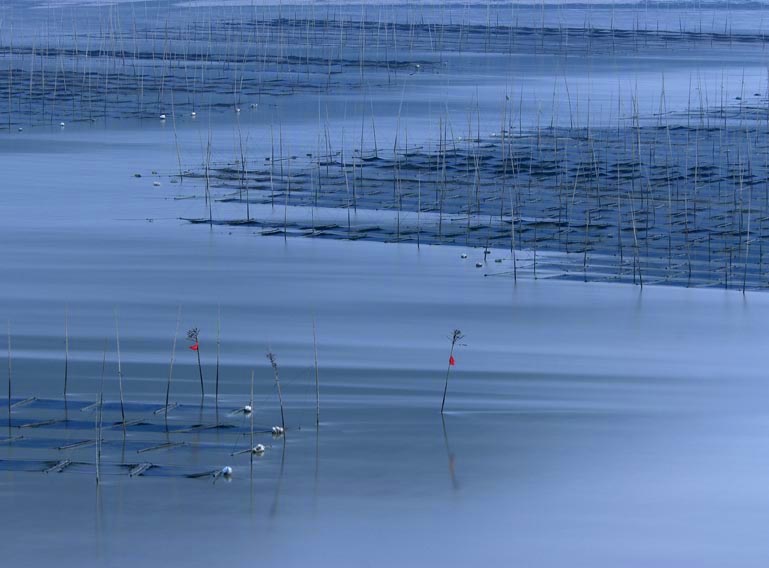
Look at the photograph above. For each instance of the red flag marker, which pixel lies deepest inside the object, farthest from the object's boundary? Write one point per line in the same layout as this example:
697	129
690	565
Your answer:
194	347
451	360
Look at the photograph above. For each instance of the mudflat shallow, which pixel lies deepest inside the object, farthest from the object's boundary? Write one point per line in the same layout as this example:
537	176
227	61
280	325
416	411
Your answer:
587	424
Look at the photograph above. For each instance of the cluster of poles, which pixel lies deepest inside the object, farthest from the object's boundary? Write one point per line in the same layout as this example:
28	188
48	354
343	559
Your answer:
145	62
194	337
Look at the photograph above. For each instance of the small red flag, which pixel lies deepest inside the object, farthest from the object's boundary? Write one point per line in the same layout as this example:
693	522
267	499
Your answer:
194	347
451	360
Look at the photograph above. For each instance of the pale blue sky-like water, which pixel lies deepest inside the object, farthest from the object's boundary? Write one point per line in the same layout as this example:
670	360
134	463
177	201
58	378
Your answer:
588	424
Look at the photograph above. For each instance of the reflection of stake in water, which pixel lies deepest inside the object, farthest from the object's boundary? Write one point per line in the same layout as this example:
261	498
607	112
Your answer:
10	373
450	455
120	375
166	408
279	484
99	414
317	383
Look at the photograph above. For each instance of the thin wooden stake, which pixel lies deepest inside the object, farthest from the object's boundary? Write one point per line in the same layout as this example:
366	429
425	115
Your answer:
173	358
455	336
274	363
66	351
251	417
218	344
194	336
120	373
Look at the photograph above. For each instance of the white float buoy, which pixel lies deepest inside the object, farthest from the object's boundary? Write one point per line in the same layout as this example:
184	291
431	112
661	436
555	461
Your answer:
61	124
156	183
193	114
463	255
162	117
237	109
258	449
247	409
277	430
226	471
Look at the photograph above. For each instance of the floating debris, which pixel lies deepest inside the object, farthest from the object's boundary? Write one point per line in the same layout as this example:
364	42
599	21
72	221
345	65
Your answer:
75	445
90	407
166	409
42	423
58	467
127	423
164	446
244	410
24	402
140	469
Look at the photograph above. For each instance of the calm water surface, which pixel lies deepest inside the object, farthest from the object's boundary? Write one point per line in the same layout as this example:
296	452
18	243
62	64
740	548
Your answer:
587	424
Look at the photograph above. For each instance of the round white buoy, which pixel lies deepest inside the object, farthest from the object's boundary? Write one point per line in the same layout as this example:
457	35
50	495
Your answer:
237	109
277	430
463	255
21	129
193	114
247	409
61	124
258	449
226	471
162	117
156	183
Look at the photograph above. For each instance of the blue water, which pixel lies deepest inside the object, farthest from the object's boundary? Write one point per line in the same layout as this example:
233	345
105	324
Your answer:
587	424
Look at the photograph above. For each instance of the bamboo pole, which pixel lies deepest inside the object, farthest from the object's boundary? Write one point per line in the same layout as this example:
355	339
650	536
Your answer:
455	336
